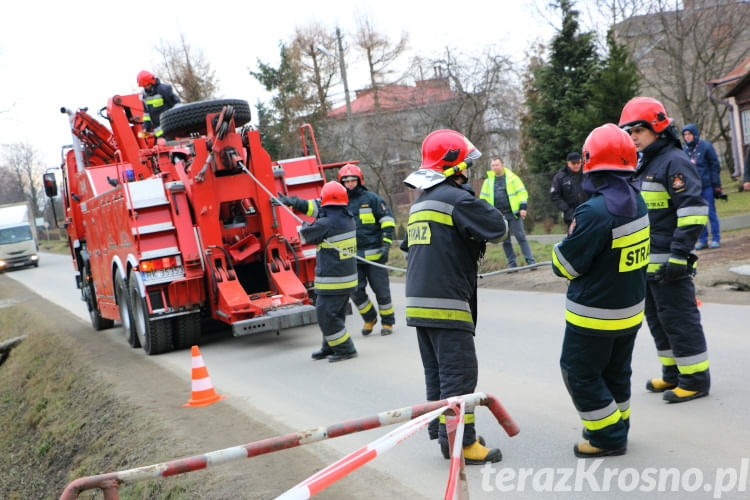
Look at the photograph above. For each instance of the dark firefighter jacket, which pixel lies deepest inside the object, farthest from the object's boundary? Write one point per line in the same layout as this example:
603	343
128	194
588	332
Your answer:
447	229
605	259
374	220
703	155
156	101
566	192
671	188
335	272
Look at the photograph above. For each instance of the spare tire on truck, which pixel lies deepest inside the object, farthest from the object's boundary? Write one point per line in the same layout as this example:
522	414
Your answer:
185	119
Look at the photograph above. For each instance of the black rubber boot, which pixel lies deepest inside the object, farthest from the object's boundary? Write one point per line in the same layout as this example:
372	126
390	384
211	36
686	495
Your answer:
679	395
446	450
584	449
659	385
322	353
341	356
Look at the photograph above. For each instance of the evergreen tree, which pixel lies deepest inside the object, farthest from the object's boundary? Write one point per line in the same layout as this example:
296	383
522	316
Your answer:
610	87
556	92
289	108
559	91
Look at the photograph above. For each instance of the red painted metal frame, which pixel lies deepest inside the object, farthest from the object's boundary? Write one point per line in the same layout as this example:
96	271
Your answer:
212	182
111	481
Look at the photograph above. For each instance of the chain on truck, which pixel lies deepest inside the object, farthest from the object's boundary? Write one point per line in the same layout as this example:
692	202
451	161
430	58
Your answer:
164	232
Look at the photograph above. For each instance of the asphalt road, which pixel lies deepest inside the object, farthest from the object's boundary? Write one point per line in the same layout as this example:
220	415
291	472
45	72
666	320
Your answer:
699	449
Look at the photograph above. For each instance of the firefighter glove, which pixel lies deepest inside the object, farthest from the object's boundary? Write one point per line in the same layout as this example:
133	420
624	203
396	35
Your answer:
279	200
719	194
384	253
675	268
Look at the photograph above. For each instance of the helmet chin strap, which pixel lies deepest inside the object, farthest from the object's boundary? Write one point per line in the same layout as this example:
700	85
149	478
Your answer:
457	169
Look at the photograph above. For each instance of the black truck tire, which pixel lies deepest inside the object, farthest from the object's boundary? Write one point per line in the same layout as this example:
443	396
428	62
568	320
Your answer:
155	336
97	320
126	316
188	118
186	331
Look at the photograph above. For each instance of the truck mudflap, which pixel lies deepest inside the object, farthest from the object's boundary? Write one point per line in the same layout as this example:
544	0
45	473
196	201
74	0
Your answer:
276	319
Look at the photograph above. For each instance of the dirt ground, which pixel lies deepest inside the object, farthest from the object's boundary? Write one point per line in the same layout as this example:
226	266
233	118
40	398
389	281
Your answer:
713	282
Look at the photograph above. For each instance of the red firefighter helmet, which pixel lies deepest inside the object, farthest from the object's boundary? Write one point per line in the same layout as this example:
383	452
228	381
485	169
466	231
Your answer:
609	149
445	148
350	171
145	78
644	112
334	193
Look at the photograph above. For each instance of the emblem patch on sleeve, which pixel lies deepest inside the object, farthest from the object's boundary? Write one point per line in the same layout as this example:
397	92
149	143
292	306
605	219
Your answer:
678	182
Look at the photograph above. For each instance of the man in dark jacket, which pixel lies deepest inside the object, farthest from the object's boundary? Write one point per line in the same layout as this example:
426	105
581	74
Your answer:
335	272
157	98
605	258
671	189
447	230
566	191
703	155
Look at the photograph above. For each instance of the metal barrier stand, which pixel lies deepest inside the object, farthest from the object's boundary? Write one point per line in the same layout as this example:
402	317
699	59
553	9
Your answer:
110	482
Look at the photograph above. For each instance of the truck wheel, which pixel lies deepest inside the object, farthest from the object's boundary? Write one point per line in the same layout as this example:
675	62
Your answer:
97	321
126	318
187	330
154	336
185	119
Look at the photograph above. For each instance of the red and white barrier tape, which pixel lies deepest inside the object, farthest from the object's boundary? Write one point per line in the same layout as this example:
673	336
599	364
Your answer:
326	477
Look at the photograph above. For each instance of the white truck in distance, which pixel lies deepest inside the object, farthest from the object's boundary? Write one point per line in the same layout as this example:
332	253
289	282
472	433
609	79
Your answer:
18	246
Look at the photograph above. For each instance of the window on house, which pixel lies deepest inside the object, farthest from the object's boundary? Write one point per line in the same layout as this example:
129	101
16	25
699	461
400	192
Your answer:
745	126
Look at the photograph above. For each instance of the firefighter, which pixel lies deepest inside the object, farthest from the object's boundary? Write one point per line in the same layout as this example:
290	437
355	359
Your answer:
157	98
671	188
335	272
604	256
375	228
447	230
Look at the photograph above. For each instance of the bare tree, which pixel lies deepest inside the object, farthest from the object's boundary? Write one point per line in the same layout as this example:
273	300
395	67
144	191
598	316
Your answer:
379	51
187	70
316	47
486	104
476	95
677	50
22	174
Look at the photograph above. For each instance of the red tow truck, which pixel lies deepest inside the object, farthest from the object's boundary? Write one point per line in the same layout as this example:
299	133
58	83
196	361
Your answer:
165	232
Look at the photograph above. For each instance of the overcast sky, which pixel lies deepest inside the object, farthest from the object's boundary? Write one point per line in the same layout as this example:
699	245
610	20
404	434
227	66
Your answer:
79	53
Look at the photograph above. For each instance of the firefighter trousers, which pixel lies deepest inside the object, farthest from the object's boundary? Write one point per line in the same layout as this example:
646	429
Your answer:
450	369
675	323
331	312
378	279
596	371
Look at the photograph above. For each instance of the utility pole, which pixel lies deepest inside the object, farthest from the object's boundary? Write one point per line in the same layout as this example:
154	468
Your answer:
342	65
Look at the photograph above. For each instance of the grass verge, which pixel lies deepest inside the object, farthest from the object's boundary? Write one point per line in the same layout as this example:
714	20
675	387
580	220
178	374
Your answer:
59	421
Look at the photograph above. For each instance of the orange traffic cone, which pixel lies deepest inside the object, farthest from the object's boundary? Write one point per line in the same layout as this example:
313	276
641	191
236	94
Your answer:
203	391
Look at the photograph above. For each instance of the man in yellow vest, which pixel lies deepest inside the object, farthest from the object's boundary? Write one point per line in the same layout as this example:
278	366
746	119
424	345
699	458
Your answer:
505	191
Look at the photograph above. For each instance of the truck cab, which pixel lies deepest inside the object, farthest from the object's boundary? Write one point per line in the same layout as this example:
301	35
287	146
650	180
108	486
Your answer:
18	246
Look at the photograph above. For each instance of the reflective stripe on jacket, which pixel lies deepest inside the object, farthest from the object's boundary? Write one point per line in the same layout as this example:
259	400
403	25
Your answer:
156	101
374	220
335	272
671	189
517	194
605	257
447	228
